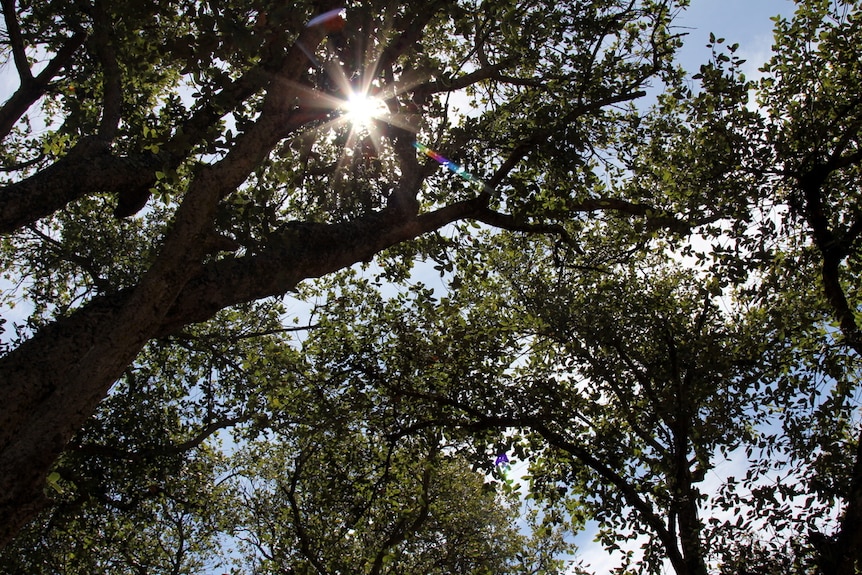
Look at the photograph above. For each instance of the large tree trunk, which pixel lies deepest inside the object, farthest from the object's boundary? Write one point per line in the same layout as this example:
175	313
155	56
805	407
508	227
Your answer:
53	382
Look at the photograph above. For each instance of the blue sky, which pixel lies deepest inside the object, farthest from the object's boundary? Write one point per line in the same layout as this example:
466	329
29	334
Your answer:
744	21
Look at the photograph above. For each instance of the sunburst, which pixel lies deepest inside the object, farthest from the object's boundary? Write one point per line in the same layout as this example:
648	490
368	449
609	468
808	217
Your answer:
360	101
361	110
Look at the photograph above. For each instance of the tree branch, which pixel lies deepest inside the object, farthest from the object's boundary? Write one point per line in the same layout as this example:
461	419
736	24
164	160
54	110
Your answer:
513	224
482	420
299	251
832	251
112	86
87	168
34	88
193	442
73	258
461	82
542	135
407	38
402	530
630	410
247	335
16	42
301	533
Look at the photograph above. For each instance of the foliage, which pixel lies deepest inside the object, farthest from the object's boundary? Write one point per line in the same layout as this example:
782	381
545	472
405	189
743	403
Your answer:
215	133
631	297
311	478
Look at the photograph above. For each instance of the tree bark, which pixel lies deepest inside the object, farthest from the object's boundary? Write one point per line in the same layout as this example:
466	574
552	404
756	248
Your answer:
54	381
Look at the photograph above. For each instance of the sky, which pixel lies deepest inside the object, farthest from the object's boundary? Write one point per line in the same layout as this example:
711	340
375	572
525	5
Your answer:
744	21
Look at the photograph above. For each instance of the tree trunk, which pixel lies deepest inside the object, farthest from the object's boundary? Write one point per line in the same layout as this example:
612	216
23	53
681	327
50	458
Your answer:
53	382
689	534
848	544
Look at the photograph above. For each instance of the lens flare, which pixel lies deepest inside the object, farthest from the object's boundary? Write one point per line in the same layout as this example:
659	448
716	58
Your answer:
450	165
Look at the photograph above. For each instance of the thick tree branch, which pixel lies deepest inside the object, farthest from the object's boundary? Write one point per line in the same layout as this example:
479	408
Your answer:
304	250
845	161
299	251
833	251
185	244
89	167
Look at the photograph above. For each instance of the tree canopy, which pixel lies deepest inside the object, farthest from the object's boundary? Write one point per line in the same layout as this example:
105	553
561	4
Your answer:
226	359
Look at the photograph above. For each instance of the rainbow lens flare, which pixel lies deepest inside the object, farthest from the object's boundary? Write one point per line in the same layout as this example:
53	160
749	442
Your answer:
448	164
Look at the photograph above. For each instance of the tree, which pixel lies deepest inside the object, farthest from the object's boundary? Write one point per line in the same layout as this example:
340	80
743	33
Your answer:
229	117
312	476
820	150
778	186
795	177
634	378
571	334
362	504
623	382
142	486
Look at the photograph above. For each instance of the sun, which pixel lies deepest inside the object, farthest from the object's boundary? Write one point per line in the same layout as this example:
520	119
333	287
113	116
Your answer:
361	110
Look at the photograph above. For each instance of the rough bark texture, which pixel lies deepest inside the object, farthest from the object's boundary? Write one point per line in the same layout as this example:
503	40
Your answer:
49	395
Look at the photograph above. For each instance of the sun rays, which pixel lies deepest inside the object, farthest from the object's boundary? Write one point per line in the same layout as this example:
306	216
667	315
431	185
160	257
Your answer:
346	113
367	107
361	110
356	96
